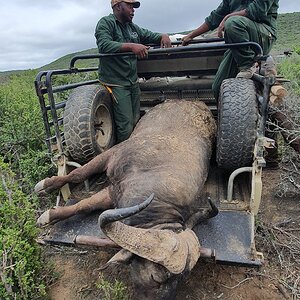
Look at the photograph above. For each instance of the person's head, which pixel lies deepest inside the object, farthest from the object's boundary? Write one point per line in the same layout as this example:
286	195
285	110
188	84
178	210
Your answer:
124	9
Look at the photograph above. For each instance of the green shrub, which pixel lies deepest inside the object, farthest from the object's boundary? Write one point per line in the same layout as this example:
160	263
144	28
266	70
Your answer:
290	69
22	132
21	266
21	123
34	165
297	49
112	291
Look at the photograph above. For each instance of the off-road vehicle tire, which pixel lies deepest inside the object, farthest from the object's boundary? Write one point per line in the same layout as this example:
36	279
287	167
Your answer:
237	123
88	123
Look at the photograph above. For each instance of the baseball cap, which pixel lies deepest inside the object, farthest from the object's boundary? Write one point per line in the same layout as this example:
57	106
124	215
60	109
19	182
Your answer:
136	4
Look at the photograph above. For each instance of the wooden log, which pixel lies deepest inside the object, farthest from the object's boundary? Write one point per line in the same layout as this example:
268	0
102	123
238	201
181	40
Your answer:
275	100
279	91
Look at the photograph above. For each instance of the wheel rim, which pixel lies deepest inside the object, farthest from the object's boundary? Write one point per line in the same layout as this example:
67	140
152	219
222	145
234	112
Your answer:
103	126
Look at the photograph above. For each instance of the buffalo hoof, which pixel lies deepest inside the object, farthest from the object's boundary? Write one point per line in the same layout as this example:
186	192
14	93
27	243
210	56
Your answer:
39	187
44	219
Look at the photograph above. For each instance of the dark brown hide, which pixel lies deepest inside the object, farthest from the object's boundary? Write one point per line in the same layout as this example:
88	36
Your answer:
168	154
153	281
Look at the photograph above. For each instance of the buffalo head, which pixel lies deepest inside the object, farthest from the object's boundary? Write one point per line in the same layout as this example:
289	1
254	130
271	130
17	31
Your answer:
161	257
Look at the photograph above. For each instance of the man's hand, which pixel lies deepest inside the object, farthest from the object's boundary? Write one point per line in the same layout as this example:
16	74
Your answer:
165	41
220	31
140	50
200	30
222	24
185	40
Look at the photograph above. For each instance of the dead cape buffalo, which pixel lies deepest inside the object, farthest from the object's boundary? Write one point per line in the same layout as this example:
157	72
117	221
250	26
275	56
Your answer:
167	156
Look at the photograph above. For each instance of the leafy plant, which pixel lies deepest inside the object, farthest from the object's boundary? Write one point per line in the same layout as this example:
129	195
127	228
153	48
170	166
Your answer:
297	49
20	264
290	69
22	134
112	291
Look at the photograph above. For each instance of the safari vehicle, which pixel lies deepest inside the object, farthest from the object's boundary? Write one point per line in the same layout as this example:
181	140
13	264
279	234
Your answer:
80	127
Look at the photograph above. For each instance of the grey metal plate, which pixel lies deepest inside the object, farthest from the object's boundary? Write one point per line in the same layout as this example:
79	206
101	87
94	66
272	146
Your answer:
229	234
65	232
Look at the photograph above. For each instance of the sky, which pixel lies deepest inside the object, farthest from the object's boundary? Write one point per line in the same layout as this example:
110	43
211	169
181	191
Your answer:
34	33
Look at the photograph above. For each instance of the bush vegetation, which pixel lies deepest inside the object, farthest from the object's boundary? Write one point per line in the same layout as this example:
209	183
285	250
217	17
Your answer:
22	149
112	291
290	69
20	267
22	131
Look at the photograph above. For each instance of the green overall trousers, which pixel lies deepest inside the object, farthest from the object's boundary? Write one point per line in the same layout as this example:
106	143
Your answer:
237	30
126	106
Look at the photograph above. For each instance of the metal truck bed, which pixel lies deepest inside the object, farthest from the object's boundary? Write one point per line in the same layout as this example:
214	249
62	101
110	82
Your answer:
228	237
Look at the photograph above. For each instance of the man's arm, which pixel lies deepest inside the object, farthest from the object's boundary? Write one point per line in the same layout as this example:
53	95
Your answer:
106	44
141	50
138	49
200	30
149	37
104	38
211	22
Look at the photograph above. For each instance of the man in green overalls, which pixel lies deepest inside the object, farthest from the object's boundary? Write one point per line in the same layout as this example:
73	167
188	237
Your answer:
116	33
240	21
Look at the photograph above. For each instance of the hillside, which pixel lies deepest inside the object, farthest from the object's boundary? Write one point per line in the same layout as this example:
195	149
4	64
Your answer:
64	62
288	31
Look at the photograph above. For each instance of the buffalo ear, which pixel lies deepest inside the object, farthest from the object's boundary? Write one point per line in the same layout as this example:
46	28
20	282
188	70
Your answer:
149	272
122	257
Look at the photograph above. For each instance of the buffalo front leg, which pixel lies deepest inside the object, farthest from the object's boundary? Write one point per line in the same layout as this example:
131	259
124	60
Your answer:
99	201
95	166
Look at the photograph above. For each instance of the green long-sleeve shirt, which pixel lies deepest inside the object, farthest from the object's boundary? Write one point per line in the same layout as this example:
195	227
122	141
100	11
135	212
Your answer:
110	34
260	11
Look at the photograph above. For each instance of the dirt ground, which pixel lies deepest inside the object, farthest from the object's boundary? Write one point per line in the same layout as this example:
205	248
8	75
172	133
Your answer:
277	236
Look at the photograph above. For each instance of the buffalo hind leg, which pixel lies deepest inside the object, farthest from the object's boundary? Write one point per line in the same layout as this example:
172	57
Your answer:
95	166
98	201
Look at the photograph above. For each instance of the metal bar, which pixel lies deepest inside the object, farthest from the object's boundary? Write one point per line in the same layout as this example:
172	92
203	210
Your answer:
196	41
60	121
94	241
264	100
41	97
191	48
57	106
268	82
73	85
231	179
42	74
52	138
105	242
207	253
77	165
53	110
